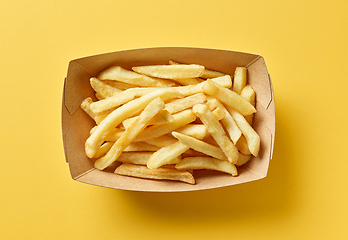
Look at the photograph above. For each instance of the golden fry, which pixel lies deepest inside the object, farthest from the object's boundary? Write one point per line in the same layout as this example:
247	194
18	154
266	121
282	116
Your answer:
240	79
111	102
102	88
167	155
171	71
208	163
140	171
243	159
248	94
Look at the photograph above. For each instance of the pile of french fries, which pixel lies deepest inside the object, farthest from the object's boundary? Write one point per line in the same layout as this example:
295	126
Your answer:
165	121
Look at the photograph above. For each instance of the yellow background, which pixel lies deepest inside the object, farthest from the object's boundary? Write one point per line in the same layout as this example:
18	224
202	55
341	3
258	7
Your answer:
304	44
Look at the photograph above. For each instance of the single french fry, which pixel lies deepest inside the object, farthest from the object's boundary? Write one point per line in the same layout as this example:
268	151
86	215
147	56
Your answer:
228	122
123	112
131	132
93	129
209	139
86	106
242	146
185	103
119	85
228	97
207	72
102	88
141	147
198	131
243	159
248	94
188	81
113	134
99	97
161	141
120	74
200	146
190	89
171	71
180	119
224	81
218	113
240	79
140	171
217	132
139	158
208	163
104	148
167	155
140	91
111	102
252	138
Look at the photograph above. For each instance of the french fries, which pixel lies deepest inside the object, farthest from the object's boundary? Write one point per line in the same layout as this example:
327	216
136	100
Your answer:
123	112
165	121
141	122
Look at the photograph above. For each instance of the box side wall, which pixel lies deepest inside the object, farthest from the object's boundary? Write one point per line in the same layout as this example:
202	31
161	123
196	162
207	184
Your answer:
76	124
227	60
264	121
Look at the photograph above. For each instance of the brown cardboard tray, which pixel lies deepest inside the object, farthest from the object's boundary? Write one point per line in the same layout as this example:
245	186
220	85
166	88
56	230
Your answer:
76	124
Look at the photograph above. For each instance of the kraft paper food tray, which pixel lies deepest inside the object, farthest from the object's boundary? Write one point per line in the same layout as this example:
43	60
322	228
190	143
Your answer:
76	124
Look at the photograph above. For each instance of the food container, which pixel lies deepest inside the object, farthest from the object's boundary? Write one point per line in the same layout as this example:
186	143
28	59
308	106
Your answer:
76	124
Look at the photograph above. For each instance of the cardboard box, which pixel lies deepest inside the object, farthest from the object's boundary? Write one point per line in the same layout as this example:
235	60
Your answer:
76	124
